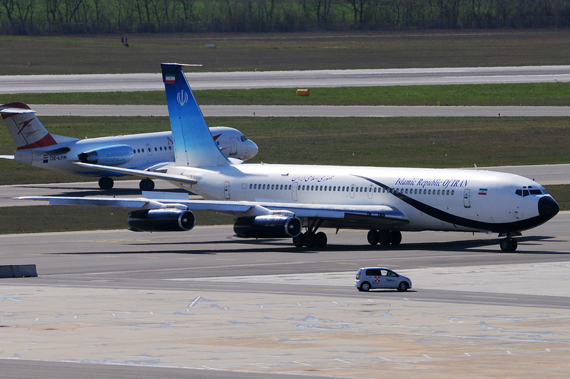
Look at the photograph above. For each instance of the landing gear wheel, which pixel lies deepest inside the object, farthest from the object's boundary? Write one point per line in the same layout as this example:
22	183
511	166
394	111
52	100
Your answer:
106	183
321	239
299	241
373	237
384	237
395	237
310	240
146	185
509	244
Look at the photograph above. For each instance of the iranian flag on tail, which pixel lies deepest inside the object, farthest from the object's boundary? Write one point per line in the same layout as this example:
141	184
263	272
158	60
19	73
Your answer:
169	78
482	191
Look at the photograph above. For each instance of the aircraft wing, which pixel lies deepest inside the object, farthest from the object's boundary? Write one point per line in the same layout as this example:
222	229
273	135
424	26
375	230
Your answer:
145	174
334	215
6	157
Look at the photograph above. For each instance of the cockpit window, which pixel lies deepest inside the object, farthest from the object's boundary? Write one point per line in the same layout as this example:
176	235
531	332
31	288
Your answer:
535	192
242	138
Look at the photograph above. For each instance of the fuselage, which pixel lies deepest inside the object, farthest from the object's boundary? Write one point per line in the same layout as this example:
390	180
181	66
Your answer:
432	199
139	151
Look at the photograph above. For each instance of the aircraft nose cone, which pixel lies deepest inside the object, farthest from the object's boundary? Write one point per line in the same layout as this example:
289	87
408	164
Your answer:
547	207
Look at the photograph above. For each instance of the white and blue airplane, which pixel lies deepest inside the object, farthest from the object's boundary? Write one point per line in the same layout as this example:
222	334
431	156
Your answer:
296	201
148	151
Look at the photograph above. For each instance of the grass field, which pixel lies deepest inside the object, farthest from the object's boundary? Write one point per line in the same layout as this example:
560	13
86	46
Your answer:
531	94
404	142
24	55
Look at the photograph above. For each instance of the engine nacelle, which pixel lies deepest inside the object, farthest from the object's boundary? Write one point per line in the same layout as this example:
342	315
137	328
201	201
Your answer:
108	156
162	220
268	226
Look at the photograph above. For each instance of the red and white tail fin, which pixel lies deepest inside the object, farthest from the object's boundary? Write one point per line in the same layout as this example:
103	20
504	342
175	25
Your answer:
24	126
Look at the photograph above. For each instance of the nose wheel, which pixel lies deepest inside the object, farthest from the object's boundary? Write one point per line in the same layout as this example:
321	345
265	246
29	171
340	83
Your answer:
509	245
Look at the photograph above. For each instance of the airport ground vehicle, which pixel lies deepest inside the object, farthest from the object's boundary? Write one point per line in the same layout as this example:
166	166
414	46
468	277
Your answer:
379	277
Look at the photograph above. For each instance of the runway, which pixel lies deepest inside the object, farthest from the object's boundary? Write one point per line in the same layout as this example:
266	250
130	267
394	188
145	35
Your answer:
207	305
287	79
305	111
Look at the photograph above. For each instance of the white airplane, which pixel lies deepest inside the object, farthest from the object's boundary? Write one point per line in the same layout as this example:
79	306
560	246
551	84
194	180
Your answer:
278	201
148	151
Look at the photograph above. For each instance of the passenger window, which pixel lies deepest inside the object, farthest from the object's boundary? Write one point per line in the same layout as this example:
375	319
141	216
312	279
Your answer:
134	151
321	188
263	186
250	186
272	186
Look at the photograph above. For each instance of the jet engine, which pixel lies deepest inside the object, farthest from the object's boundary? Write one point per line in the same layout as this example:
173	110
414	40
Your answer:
268	226
162	220
108	156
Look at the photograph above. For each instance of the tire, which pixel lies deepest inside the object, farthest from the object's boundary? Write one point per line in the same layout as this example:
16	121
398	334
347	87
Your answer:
515	244
106	183
373	237
506	245
384	237
299	241
310	239
395	237
403	287
146	185
365	286
321	239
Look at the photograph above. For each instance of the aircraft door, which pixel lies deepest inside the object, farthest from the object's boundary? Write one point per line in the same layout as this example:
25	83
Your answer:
148	149
227	190
352	191
370	192
467	198
233	148
294	191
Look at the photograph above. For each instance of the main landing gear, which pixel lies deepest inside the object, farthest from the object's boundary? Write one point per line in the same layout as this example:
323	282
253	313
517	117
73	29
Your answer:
311	238
384	237
106	183
146	185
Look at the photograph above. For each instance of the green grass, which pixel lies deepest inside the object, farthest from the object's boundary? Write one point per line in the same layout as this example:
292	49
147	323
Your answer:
407	142
26	55
532	94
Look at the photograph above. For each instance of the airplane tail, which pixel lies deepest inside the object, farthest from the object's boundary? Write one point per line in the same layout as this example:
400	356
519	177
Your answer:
24	126
193	142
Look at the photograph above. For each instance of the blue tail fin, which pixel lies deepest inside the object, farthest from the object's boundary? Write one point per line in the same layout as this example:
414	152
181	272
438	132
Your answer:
193	143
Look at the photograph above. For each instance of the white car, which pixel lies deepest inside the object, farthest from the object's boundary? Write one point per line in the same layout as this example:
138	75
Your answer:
379	277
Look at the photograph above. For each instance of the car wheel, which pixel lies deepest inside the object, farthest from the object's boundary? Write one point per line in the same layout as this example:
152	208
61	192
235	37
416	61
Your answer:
403	286
365	286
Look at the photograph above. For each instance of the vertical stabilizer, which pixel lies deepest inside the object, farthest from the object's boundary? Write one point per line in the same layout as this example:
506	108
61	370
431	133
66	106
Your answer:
24	126
193	142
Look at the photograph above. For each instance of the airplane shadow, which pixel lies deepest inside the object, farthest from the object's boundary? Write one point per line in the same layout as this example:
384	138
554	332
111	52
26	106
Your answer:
283	246
76	192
